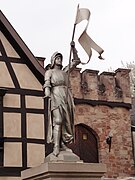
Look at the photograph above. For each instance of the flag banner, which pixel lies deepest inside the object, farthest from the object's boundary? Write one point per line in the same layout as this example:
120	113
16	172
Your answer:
82	14
86	42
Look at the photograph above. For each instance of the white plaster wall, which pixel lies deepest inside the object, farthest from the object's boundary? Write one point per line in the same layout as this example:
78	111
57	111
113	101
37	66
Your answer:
10	178
35	154
13	154
12	124
5	78
26	78
10	51
11	100
35	126
34	102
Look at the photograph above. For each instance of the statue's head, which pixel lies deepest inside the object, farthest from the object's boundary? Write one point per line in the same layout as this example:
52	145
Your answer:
54	57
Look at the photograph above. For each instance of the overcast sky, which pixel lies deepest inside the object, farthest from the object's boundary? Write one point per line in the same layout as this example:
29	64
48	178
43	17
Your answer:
46	26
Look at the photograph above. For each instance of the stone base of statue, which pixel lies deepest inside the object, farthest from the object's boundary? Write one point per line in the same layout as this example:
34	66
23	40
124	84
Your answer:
67	166
64	156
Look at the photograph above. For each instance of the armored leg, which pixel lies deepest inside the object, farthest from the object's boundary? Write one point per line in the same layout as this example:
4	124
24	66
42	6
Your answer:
56	138
57	122
64	147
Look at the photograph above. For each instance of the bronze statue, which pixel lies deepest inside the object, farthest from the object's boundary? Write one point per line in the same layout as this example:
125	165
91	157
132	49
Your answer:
61	119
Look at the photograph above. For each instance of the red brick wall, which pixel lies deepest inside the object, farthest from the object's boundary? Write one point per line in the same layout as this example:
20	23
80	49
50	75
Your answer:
106	87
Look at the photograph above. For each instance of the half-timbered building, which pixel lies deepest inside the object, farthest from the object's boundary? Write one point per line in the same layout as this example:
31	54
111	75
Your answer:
22	135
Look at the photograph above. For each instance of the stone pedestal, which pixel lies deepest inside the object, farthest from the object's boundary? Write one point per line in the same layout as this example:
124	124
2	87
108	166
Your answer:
65	171
67	166
64	156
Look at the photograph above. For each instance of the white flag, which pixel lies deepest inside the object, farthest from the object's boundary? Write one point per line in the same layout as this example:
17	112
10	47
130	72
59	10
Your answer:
82	14
86	42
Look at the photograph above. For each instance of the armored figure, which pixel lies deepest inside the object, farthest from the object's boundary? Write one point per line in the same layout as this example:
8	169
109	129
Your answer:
61	112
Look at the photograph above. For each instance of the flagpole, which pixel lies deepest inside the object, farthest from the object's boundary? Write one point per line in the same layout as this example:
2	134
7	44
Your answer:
70	55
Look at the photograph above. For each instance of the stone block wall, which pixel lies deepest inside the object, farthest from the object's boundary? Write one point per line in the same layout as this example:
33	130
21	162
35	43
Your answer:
133	111
107	86
104	105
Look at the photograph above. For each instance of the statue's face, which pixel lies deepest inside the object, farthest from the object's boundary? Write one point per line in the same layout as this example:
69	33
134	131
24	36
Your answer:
58	60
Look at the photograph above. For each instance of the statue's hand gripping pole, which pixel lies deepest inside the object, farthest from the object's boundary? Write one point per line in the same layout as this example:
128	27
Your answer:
71	50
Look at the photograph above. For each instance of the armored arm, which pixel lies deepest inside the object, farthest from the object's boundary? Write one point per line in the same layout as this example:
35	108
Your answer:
75	61
47	85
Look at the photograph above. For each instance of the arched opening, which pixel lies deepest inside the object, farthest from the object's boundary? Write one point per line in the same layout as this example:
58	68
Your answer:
86	144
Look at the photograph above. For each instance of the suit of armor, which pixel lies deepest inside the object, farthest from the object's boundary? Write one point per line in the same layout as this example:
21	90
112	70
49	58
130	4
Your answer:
61	121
